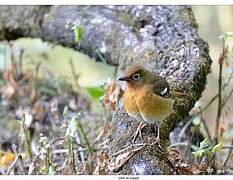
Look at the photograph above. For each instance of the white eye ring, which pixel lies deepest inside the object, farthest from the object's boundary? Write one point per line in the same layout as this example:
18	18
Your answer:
136	77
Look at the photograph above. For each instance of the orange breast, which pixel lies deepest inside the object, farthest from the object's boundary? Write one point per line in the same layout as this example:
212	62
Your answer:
147	105
130	102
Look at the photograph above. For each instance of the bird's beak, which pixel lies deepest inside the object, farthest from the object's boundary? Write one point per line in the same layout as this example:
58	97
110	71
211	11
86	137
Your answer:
124	79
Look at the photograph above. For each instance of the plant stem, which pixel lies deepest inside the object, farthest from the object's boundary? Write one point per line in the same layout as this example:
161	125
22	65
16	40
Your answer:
71	153
75	76
27	139
90	150
221	59
219	104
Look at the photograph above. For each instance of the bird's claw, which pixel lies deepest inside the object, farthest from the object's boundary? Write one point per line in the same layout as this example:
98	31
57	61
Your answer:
157	142
138	132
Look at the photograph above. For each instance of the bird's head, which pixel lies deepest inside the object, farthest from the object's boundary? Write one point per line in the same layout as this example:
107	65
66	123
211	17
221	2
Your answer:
136	75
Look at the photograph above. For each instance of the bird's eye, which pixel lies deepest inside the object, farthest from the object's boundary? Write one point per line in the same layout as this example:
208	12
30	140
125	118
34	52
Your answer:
136	77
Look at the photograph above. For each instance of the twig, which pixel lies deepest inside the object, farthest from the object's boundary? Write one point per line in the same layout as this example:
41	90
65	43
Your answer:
20	61
219	104
221	59
190	139
206	127
11	53
18	158
64	138
75	76
228	147
12	166
110	72
57	139
36	82
126	149
187	124
21	163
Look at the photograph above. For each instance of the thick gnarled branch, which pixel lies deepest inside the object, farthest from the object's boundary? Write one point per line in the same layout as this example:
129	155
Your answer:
163	38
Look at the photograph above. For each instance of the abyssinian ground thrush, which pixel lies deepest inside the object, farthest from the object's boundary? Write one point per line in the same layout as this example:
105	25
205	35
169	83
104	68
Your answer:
147	97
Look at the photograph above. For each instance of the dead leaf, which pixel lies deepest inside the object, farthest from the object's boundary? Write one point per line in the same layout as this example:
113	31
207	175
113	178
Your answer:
102	164
38	111
112	95
122	159
10	75
174	156
182	168
7	91
186	169
54	104
17	84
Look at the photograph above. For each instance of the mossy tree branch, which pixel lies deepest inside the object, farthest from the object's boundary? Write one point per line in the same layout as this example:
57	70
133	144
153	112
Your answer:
163	38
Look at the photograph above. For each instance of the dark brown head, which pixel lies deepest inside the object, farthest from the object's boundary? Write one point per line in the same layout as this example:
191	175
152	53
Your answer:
136	75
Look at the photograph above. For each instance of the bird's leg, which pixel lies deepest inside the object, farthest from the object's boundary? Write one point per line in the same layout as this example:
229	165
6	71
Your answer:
157	141
138	132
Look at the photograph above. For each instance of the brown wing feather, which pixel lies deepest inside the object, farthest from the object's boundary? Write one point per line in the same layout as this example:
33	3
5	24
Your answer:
162	88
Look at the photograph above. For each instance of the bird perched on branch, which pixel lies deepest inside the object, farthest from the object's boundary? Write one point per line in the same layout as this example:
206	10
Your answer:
147	98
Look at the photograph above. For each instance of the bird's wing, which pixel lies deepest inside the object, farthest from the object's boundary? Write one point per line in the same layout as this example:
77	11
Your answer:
162	88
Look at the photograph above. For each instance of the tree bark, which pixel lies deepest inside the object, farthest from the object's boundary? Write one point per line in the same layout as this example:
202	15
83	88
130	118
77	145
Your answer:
163	38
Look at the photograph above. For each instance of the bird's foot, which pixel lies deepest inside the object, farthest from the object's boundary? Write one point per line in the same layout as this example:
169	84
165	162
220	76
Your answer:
138	132
157	141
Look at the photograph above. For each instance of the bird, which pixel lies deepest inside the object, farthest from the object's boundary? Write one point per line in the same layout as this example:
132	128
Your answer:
147	98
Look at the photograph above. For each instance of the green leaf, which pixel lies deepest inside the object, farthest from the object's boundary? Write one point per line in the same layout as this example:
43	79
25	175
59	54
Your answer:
48	91
217	147
73	125
203	152
95	92
228	34
65	111
52	170
225	35
198	153
205	144
78	30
